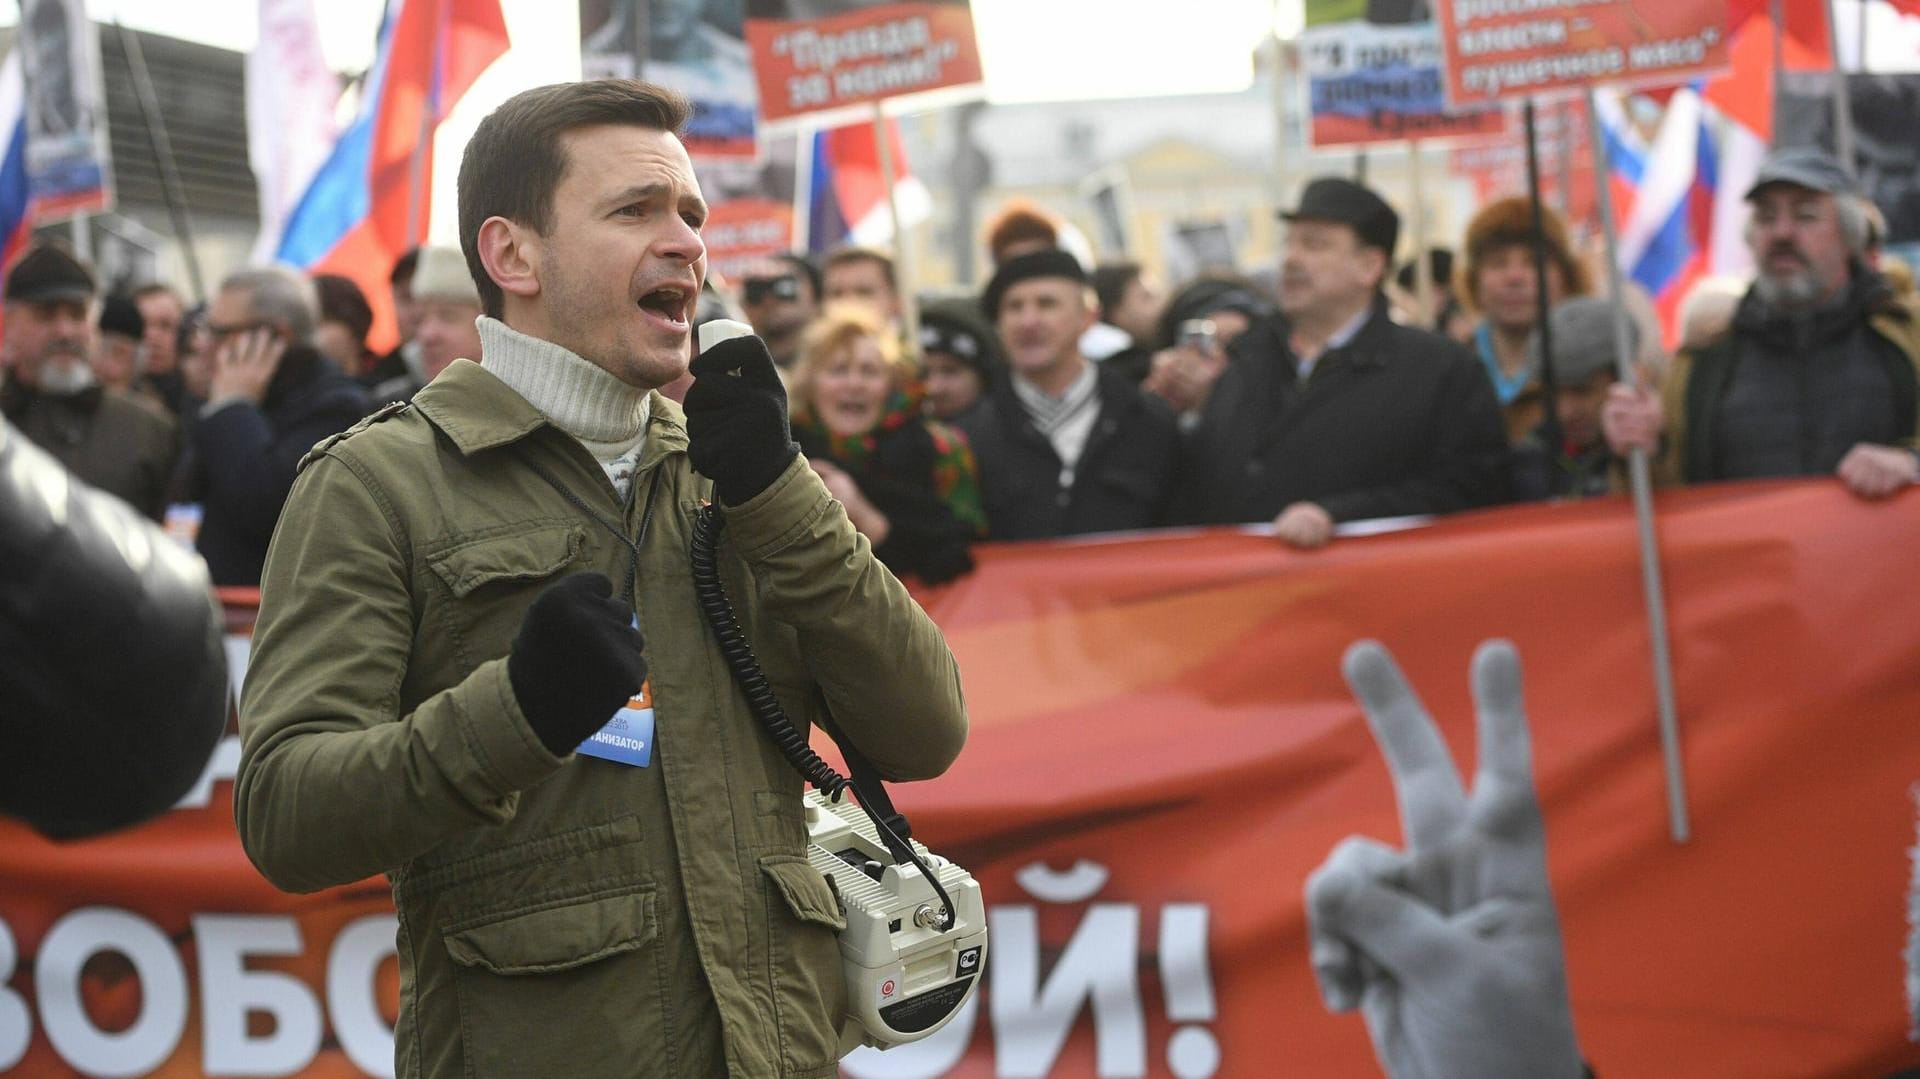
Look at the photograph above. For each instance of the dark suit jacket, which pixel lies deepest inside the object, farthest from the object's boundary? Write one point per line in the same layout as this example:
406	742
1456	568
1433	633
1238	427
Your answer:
1397	421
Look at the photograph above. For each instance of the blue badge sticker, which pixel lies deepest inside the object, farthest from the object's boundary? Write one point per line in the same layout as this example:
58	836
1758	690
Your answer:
628	736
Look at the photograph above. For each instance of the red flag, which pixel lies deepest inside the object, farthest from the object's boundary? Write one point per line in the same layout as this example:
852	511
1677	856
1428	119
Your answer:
858	182
1807	46
435	50
439	48
850	197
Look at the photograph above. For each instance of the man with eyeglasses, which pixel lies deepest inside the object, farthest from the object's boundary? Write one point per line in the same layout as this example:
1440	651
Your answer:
781	296
272	395
1820	372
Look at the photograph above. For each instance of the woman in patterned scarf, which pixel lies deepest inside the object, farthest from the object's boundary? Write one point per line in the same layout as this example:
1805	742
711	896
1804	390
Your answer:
908	482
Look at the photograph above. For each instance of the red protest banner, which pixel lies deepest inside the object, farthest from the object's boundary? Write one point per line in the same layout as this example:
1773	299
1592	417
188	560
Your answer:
1515	48
1161	750
740	232
869	53
1567	168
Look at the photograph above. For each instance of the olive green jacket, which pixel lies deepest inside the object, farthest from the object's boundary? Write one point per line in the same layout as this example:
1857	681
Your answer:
570	917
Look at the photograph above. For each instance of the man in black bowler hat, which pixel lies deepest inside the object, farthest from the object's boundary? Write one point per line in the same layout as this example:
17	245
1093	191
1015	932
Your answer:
51	393
1065	446
1339	414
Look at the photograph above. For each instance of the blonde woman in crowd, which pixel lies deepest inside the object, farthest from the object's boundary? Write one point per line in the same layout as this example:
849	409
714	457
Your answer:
908	482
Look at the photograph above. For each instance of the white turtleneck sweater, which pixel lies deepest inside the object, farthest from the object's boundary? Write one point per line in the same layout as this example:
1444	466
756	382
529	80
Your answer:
604	414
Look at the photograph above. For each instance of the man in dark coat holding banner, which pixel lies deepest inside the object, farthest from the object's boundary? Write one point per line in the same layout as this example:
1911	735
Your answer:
1340	414
1819	373
1065	447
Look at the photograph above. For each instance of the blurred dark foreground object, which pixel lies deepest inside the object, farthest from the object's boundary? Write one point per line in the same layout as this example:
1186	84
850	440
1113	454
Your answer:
113	690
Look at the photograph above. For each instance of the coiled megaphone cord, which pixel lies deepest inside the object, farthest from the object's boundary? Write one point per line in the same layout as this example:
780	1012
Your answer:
735	649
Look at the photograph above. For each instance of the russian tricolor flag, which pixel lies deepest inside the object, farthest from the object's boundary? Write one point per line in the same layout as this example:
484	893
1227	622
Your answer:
849	190
1689	213
1664	244
369	203
14	225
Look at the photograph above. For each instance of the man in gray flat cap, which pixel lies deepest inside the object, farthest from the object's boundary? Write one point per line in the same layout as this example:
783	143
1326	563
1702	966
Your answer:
1580	464
1818	374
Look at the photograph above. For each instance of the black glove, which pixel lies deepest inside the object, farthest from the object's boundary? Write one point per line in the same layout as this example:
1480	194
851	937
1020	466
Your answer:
737	433
575	661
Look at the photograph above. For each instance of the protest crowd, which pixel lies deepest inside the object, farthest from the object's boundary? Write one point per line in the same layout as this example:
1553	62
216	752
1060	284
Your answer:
1063	399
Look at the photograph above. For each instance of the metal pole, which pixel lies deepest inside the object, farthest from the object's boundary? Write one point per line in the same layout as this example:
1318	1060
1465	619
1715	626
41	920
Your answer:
1564	144
1861	32
82	235
170	185
1543	298
1278	92
416	176
1639	473
902	247
1842	102
419	199
1777	11
803	192
1422	265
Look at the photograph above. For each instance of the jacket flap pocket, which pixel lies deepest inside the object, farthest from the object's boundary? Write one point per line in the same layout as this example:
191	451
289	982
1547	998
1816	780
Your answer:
806	892
523	555
557	937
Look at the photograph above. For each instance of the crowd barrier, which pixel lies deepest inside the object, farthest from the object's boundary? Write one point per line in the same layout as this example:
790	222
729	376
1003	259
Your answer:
1162	749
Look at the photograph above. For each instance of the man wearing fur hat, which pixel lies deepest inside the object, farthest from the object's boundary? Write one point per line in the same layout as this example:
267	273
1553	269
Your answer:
1499	282
1341	414
1820	372
447	305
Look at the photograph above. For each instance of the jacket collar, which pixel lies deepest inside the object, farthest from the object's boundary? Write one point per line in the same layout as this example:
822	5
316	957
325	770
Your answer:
16	398
1363	348
1865	295
479	412
1109	386
300	365
1267	343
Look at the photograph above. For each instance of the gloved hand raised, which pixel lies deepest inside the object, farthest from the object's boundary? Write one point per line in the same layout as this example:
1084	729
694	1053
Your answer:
575	661
1451	948
737	434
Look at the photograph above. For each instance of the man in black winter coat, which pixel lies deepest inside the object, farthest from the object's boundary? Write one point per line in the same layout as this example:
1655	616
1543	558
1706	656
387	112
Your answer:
1064	446
273	395
1341	414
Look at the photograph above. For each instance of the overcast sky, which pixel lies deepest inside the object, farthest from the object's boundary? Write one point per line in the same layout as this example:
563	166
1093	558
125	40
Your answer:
1033	49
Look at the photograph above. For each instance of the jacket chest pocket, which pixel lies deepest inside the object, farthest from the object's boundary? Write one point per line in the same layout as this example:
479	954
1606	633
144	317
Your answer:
575	981
554	948
490	580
